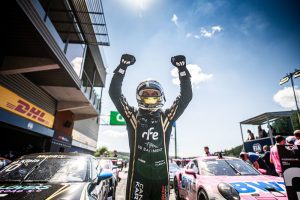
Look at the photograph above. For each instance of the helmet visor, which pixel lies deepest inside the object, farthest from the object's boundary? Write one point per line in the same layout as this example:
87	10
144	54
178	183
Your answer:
150	100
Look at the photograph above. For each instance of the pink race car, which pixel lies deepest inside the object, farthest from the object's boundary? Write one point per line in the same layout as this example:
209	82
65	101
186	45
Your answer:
230	178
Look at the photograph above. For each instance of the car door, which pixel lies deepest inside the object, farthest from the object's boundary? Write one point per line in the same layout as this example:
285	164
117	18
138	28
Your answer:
193	185
189	180
184	181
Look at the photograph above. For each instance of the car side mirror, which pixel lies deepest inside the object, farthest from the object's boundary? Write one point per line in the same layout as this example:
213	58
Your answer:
190	172
104	175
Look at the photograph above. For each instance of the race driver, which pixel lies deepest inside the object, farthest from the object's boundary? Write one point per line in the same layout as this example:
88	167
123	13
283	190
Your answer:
149	129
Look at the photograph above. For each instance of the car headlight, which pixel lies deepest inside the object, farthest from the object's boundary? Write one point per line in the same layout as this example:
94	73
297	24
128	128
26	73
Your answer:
228	192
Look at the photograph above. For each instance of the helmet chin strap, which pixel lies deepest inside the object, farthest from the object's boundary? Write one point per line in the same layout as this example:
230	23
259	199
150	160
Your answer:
150	110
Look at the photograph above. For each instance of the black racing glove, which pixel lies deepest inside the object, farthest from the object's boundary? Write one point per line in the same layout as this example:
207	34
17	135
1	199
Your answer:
126	60
179	61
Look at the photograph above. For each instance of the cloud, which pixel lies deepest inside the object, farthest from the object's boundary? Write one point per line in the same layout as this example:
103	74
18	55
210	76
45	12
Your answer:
197	75
188	35
285	97
209	33
114	134
175	19
216	29
76	63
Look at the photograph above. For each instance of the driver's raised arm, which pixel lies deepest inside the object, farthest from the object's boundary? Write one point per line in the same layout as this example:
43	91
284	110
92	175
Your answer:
186	93
115	88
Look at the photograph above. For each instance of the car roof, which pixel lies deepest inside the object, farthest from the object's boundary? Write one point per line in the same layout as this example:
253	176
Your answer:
216	158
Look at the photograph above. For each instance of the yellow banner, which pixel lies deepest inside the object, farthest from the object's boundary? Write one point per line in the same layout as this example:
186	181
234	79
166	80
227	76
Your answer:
16	104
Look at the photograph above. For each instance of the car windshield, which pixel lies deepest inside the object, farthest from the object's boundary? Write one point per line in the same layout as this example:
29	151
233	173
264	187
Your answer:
173	167
46	168
226	167
106	164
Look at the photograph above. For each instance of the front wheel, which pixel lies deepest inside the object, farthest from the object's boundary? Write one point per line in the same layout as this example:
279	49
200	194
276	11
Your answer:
202	195
112	193
176	189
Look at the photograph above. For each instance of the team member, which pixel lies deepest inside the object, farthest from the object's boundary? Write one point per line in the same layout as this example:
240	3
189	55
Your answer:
149	129
254	159
297	135
274	157
206	151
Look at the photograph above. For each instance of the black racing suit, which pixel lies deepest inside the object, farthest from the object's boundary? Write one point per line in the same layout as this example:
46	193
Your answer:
149	136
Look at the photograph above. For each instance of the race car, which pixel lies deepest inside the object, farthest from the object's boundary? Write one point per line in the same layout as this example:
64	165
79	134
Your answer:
54	176
4	162
218	177
173	168
107	165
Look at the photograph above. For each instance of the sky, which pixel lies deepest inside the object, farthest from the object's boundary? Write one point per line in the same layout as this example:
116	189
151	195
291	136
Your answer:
237	52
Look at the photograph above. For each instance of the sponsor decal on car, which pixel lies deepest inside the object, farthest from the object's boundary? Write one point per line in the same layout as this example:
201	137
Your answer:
187	183
51	156
257	186
20	188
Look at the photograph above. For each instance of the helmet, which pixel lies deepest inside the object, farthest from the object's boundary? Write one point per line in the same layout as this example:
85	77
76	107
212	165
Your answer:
150	95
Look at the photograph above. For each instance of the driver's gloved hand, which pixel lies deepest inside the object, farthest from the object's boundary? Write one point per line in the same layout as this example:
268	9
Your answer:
127	60
178	61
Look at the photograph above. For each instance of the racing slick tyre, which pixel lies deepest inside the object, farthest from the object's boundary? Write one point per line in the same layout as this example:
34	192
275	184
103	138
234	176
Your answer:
202	195
176	190
112	193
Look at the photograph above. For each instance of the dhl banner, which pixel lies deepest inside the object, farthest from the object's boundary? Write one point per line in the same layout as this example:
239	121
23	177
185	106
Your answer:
16	104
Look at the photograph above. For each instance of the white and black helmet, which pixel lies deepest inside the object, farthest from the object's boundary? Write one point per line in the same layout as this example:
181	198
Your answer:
150	95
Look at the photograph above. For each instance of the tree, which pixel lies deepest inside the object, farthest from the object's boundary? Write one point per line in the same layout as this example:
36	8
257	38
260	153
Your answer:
100	151
235	152
286	125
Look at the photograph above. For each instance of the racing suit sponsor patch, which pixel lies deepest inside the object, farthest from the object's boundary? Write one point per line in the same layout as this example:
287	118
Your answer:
182	73
138	191
149	133
159	163
150	149
143	161
121	71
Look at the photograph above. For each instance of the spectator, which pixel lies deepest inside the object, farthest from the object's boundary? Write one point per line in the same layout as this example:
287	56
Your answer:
261	132
105	154
250	135
266	159
290	140
271	130
297	135
274	157
115	153
206	150
254	159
